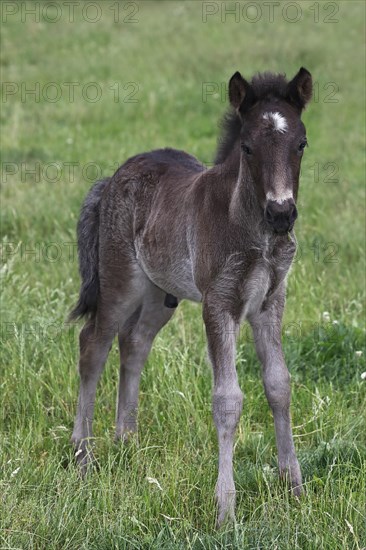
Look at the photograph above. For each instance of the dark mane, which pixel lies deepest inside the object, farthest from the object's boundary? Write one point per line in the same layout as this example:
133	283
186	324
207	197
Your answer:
265	86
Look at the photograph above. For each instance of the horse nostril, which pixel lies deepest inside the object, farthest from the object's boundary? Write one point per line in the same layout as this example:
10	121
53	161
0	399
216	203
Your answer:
293	214
268	215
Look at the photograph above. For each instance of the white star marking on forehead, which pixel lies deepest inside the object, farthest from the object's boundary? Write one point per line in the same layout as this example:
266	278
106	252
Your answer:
279	122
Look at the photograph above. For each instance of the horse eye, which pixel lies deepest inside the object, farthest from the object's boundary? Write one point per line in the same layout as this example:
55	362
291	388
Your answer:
247	150
302	145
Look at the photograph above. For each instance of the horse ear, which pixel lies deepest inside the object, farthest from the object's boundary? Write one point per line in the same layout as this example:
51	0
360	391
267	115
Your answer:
300	88
240	92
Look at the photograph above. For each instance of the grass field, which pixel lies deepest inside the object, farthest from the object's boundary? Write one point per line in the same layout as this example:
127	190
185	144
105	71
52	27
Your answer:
146	75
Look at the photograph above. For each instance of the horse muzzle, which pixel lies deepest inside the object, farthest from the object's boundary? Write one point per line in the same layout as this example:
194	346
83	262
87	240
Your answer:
280	216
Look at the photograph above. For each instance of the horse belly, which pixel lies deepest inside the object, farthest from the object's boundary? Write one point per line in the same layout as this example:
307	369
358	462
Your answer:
176	278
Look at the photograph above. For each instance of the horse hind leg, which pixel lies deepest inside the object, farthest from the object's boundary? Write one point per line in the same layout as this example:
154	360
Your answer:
135	341
94	348
96	339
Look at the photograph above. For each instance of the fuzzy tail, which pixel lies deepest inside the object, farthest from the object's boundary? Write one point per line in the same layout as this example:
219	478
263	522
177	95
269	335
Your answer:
88	245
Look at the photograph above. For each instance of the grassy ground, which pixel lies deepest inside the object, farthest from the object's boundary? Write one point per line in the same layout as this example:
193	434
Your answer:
161	81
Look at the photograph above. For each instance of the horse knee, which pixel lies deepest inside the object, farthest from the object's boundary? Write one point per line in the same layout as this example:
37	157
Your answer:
226	408
277	388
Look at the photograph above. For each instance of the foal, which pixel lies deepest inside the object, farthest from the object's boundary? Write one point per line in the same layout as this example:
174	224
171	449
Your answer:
164	228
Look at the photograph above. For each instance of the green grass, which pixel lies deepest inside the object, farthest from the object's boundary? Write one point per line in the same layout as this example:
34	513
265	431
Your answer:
168	55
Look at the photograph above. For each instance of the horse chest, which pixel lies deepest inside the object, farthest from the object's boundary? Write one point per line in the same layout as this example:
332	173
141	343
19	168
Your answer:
256	288
266	275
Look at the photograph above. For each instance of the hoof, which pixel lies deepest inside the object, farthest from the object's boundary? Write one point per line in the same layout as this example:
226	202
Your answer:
225	518
84	457
297	490
225	499
126	437
292	476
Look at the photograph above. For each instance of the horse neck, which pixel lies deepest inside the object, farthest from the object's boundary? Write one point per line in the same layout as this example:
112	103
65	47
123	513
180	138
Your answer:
244	205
